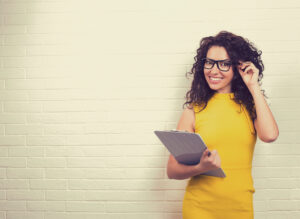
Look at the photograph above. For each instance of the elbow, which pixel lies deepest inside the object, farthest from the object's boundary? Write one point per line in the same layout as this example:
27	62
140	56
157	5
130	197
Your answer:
270	138
170	174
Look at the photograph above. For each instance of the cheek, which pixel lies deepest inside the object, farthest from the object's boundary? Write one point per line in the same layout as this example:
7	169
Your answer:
205	72
230	75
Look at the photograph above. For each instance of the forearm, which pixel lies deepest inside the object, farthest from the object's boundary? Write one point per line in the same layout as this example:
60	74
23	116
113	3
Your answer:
266	125
176	170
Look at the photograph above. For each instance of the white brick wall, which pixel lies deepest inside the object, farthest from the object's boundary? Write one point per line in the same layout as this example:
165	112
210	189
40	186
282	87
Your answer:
83	84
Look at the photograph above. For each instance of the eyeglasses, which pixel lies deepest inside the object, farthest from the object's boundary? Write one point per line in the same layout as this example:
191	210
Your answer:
223	65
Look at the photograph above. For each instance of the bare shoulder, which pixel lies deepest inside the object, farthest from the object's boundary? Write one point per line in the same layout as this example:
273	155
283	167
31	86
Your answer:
187	120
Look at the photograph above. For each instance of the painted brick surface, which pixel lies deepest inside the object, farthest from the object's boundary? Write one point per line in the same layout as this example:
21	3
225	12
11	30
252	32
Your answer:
83	85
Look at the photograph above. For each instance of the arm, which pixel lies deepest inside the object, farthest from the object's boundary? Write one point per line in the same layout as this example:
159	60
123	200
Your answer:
176	170
265	124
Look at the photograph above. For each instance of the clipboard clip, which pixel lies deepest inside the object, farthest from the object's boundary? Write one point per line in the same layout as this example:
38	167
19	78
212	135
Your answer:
174	130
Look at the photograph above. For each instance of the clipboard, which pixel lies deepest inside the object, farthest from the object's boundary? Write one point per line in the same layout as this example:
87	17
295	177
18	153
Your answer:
187	148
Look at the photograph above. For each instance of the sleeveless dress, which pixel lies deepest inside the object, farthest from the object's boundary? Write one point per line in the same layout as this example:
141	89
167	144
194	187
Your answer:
227	127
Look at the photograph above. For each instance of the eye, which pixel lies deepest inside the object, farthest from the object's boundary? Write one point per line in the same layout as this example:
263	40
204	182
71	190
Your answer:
208	62
225	64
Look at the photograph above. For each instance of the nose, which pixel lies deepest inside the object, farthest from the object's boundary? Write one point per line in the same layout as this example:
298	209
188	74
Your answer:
214	69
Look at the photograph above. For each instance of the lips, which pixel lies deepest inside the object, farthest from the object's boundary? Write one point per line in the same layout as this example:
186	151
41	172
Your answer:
215	80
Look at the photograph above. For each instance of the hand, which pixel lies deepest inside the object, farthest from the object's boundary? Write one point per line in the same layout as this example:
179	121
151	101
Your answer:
249	74
209	161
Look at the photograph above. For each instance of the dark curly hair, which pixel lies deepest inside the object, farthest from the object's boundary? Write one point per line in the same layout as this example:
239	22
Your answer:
238	49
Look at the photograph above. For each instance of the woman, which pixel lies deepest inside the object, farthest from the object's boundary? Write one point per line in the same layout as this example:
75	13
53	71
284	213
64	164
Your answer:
227	108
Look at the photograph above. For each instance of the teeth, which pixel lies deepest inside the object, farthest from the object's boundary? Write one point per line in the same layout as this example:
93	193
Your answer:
215	79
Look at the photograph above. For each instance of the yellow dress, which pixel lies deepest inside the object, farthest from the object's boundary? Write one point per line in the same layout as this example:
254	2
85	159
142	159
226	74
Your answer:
227	127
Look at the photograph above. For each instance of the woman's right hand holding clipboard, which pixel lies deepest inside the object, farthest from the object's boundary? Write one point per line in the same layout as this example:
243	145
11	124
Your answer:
210	160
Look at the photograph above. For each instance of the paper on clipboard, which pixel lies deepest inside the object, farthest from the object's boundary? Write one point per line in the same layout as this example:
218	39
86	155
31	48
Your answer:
186	147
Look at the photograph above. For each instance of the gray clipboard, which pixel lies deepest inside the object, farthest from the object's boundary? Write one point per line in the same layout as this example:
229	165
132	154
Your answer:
187	148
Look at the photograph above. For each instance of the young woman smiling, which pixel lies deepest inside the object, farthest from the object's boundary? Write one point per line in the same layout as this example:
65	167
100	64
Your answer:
226	106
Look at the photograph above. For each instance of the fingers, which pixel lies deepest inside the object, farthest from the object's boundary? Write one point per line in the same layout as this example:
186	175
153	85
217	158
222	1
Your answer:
206	153
247	68
214	159
211	161
243	65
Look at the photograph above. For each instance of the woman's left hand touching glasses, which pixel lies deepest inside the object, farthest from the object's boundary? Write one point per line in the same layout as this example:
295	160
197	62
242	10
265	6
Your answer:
249	74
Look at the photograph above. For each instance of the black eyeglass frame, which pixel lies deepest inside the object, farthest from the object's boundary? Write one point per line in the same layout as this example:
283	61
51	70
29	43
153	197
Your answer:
217	61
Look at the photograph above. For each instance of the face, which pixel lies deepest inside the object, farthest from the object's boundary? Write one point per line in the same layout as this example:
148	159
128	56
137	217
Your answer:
218	80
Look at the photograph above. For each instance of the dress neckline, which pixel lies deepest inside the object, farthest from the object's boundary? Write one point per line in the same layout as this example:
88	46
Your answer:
223	95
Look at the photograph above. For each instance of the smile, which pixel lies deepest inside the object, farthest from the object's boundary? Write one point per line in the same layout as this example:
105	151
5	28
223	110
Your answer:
215	79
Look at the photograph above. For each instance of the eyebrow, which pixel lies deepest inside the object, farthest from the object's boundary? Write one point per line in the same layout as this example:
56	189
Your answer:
223	60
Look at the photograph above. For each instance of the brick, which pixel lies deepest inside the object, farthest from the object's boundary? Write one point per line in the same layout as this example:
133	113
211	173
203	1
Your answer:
264	172
14	184
59	195
56	151
12	118
174	195
25	195
278	194
28	107
49	7
12	51
23	129
37	19
64	129
281	183
22	173
12	8
3	151
55	173
278	214
12	162
6	95
46	206
2	130
125	195
49	118
56	215
48	184
80	140
2	85
46	162
2	173
13	29
46	140
86	117
2	195
86	162
85	206
24	215
260	206
158	206
27	151
94	151
287	205
135	215
145	162
49	50
36	39
12	205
